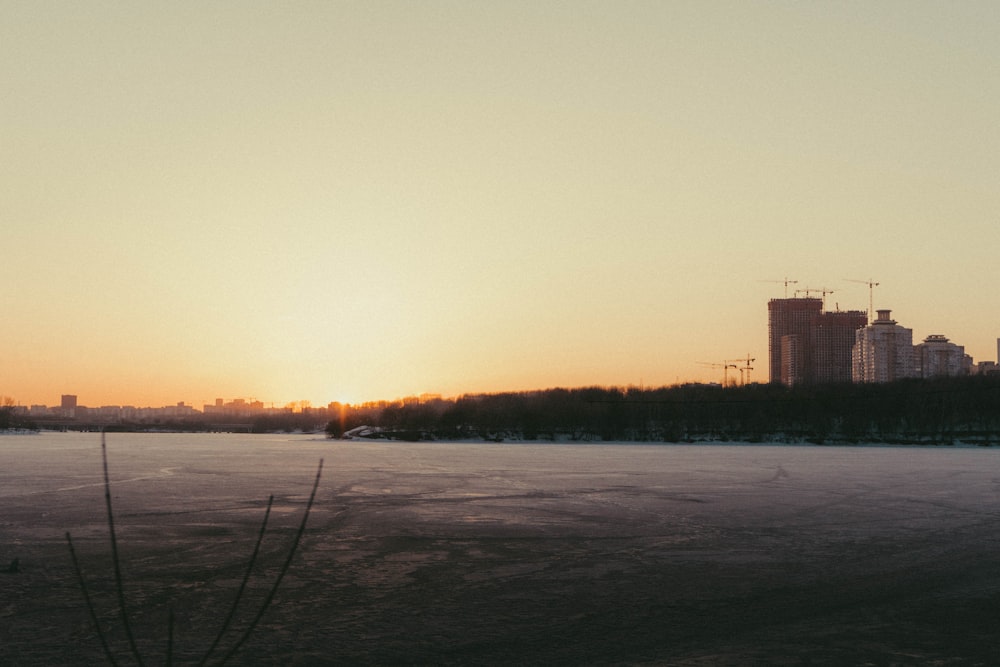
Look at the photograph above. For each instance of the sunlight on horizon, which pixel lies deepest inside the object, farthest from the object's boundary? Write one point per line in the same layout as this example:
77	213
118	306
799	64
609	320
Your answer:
383	200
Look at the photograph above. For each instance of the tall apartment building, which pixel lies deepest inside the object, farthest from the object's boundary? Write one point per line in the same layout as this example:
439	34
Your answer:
937	357
792	359
807	345
833	342
67	405
883	351
789	322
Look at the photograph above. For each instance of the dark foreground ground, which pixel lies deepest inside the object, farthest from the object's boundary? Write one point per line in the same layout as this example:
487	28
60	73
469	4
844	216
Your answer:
517	554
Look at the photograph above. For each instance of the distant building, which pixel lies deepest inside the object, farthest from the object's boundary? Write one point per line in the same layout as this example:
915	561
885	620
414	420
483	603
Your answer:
789	322
883	351
67	405
833	342
238	407
938	357
986	368
807	345
792	360
106	413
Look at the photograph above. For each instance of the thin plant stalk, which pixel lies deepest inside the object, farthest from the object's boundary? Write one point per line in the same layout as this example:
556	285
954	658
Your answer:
170	624
114	556
89	603
170	639
288	561
243	584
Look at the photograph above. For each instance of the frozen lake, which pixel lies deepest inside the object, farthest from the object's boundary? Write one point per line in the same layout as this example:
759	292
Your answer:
425	553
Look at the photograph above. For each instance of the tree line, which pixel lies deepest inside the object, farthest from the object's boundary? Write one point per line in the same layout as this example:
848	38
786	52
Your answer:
10	418
911	411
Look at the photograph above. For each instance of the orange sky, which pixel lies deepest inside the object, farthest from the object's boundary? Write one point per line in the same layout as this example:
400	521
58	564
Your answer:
353	201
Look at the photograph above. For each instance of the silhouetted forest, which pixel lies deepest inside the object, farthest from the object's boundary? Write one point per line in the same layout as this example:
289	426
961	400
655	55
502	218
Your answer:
938	411
10	419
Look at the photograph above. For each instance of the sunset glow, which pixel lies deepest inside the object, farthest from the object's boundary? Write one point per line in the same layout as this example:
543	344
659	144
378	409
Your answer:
358	201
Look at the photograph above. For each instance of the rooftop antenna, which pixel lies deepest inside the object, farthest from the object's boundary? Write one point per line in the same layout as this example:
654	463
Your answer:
871	297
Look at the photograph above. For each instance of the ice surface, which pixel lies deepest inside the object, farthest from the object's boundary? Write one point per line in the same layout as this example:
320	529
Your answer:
452	553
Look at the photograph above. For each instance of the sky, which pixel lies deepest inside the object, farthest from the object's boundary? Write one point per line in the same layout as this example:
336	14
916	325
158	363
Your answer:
352	201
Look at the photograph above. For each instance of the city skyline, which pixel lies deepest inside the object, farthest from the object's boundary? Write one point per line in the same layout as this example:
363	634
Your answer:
828	367
343	202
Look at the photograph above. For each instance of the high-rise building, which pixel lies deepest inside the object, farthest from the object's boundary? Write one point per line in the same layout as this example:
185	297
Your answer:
789	322
67	405
793	366
833	341
808	345
937	357
883	351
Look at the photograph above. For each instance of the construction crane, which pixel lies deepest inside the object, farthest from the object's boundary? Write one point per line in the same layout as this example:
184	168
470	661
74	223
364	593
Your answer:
871	293
725	370
822	290
744	369
786	282
740	369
